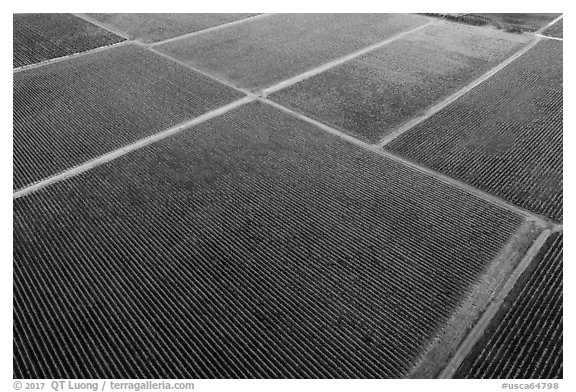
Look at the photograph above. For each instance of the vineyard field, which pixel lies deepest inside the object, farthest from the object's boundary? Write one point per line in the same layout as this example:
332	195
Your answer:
505	141
41	37
150	28
253	245
524	340
371	96
263	52
69	112
556	30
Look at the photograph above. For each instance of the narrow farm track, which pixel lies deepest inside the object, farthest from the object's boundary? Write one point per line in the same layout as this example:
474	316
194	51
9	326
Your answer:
524	341
221	240
548	37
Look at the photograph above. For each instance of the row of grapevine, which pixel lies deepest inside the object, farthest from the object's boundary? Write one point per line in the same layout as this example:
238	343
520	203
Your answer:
69	112
505	136
252	245
41	37
525	339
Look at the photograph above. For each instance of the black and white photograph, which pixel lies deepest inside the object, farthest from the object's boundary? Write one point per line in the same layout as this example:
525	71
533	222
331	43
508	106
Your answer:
294	197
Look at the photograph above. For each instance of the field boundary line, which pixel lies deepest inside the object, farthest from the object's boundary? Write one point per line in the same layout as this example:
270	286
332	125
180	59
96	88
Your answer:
478	330
210	29
341	60
544	28
451	98
70	56
495	200
104	26
192	68
541	220
128	148
548	37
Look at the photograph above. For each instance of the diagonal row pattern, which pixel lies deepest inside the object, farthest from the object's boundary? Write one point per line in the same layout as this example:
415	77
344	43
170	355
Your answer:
252	245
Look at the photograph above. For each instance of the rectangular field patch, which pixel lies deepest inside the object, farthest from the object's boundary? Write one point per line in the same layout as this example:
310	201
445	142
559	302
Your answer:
69	112
524	340
266	51
371	96
150	28
41	37
504	136
253	245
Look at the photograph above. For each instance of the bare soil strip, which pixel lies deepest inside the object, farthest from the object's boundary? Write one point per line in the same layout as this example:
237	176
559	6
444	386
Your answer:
129	148
478	330
548	37
332	64
210	29
447	101
105	26
450	336
543	28
541	220
71	56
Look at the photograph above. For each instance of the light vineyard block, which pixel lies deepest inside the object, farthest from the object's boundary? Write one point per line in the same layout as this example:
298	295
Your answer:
269	50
